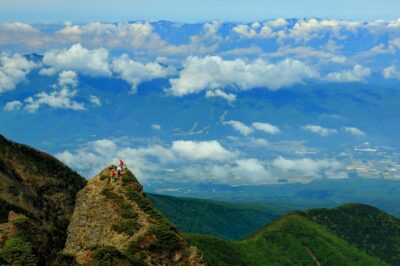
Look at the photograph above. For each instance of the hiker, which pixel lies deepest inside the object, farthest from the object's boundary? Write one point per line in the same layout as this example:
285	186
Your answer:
119	170
112	174
121	163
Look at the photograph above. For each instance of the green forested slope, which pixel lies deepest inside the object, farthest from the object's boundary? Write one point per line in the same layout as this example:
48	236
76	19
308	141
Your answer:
298	239
221	219
366	227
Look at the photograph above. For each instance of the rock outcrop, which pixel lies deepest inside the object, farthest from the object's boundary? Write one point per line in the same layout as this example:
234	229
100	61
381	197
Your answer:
114	223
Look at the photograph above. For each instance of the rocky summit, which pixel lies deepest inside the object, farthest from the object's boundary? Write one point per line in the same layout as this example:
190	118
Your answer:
114	223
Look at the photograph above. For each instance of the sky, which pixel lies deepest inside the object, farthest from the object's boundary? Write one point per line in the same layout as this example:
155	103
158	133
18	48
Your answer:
192	10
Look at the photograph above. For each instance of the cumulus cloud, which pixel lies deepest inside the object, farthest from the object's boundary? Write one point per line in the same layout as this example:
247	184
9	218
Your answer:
354	131
201	150
135	72
55	99
240	127
77	58
219	93
306	30
266	30
134	36
19	34
147	161
68	78
306	166
60	98
320	130
13	105
93	156
213	72
357	74
266	127
13	70
391	72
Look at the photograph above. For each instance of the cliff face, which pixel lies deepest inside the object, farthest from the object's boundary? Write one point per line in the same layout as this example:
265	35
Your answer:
41	189
115	224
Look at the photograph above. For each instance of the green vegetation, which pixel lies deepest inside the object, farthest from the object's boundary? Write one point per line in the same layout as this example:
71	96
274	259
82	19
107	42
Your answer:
129	177
292	240
353	234
18	251
225	220
126	205
41	188
129	214
143	202
167	237
109	255
110	195
21	221
103	177
366	227
127	227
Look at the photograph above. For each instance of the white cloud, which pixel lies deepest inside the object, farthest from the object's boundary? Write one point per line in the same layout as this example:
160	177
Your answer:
357	74
93	156
246	130
267	30
156	126
219	93
252	169
320	130
308	29
93	63
13	105
354	131
201	150
266	127
306	166
55	99
13	70
212	72
68	78
240	127
19	34
95	100
391	72
135	72
60	98
18	27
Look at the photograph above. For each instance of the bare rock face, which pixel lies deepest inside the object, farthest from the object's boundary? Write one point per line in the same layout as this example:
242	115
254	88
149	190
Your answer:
115	224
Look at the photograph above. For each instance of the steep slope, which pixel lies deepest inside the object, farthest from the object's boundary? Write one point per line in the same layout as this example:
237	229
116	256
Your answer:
294	239
366	227
115	224
41	189
221	219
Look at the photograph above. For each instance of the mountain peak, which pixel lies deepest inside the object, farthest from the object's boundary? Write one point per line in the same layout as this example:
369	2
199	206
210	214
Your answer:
114	222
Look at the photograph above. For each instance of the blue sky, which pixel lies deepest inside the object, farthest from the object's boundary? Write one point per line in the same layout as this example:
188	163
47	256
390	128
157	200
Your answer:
192	10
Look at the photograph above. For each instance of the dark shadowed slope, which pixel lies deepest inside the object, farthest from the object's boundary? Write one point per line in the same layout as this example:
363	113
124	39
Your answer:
40	192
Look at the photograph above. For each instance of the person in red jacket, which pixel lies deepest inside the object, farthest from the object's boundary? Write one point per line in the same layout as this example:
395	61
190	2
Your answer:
121	163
